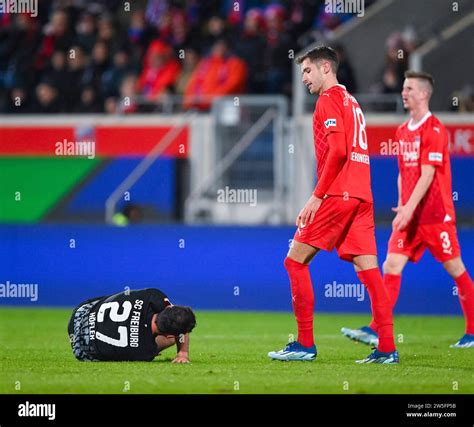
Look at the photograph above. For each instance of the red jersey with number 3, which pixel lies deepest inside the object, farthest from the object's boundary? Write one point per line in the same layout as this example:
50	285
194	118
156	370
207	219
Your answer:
426	143
338	111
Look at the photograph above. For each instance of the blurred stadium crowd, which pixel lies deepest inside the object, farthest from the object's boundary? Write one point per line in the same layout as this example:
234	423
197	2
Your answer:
88	56
83	56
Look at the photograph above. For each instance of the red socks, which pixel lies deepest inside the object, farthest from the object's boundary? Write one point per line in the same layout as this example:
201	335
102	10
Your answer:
381	307
392	284
466	298
303	303
302	298
465	290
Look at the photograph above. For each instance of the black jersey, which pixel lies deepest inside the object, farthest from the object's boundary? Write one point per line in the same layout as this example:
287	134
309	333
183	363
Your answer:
120	325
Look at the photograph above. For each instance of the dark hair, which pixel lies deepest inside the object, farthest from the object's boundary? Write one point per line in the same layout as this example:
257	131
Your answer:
129	207
318	53
410	74
176	320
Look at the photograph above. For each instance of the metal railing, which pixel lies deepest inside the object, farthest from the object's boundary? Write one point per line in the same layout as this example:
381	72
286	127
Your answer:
166	104
443	34
145	164
246	153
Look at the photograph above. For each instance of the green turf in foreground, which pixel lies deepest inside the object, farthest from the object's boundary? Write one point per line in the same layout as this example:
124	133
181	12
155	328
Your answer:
229	355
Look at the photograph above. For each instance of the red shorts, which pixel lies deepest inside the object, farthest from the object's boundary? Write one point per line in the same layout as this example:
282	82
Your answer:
345	224
441	239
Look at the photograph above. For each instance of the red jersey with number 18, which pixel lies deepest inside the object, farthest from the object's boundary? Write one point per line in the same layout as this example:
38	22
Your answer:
338	111
426	143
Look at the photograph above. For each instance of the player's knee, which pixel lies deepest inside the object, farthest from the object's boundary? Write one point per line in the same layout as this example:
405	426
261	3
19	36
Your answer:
391	266
288	263
454	267
291	264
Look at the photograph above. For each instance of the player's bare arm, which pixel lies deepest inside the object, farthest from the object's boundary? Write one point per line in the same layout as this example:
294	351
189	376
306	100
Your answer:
405	213
182	344
399	186
317	78
163	342
335	161
308	212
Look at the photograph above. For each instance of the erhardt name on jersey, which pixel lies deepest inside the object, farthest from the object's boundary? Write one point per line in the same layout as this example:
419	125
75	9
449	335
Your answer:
361	158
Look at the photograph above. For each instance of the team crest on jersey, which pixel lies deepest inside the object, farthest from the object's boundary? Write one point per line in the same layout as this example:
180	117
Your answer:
330	122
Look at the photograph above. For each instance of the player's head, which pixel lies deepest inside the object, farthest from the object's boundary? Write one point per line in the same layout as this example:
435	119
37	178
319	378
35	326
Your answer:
317	65
176	320
417	89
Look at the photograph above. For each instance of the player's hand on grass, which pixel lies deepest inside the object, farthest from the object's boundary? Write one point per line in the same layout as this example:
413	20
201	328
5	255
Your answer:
403	217
181	357
306	215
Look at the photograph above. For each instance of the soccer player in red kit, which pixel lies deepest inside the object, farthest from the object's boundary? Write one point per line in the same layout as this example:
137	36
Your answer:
425	215
339	213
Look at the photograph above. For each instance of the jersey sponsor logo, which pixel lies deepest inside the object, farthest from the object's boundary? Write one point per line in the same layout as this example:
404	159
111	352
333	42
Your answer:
447	218
435	157
410	150
436	129
411	156
330	123
361	158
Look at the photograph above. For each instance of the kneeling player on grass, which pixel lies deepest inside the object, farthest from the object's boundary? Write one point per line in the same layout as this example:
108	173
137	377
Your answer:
131	325
339	214
425	213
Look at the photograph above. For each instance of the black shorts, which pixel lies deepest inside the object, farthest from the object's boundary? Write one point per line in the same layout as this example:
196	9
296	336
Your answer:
78	330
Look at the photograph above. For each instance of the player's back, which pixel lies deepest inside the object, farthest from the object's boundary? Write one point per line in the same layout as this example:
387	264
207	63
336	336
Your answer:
120	326
338	111
426	143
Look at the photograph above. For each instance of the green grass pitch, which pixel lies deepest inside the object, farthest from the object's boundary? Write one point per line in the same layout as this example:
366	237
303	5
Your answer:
229	355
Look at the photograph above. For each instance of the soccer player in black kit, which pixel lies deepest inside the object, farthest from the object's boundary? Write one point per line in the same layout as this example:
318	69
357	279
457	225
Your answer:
130	326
